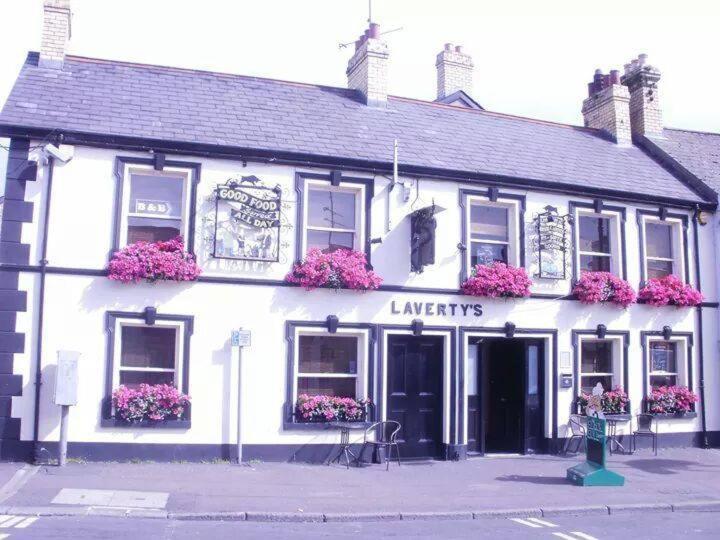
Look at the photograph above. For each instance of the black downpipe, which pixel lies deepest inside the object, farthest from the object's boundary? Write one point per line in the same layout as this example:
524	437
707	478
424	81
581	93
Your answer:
701	352
41	309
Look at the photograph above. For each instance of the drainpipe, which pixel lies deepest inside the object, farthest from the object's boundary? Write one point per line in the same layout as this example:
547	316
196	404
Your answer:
701	353
41	308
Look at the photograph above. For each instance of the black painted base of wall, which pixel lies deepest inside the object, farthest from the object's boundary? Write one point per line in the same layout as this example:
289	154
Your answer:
310	453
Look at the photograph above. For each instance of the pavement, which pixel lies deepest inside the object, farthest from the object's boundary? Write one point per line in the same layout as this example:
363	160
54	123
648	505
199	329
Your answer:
677	480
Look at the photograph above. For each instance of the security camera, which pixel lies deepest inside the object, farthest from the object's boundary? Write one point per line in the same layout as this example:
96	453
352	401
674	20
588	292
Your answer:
62	154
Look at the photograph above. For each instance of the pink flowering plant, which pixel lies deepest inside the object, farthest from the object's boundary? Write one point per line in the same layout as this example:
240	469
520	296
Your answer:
330	408
339	269
613	401
669	291
153	261
154	402
604	287
497	280
671	400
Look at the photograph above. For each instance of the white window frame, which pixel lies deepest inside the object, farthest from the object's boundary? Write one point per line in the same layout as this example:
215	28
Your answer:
677	248
178	326
681	361
361	383
615	254
147	170
513	243
345	187
618	369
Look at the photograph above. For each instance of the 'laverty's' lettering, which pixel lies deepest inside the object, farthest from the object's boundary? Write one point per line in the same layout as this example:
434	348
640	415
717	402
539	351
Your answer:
436	309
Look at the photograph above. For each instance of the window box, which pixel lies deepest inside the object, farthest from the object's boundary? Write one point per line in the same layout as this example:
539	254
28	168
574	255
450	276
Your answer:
674	401
497	280
622	414
604	287
339	269
152	262
678	415
669	291
180	423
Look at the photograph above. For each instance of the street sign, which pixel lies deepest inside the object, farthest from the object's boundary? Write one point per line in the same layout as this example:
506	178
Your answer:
593	472
241	338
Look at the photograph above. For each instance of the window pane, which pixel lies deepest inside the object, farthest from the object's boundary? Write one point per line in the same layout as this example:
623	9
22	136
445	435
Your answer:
328	354
658	240
597	357
595	234
316	386
148	346
489	223
659	269
588	383
136	378
663	380
663	356
334	209
594	263
330	241
152	230
487	253
156	195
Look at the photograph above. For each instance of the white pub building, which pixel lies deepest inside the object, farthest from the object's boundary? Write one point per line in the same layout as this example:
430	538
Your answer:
253	173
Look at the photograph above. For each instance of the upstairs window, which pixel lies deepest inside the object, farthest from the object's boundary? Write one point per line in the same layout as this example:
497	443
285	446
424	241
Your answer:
663	248
155	206
489	234
334	218
594	244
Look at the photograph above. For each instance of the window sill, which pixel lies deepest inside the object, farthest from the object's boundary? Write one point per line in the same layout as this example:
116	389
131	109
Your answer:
672	416
145	424
317	426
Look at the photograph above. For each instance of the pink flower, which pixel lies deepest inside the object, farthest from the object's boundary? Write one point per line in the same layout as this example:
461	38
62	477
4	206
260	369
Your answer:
671	399
497	280
149	402
669	291
153	262
595	287
325	408
339	269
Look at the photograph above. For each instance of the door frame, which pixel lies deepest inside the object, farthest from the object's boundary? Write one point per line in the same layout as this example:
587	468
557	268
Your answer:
550	385
450	377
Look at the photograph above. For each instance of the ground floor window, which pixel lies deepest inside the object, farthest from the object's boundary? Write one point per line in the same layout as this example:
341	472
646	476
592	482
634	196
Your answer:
667	364
600	362
148	354
328	365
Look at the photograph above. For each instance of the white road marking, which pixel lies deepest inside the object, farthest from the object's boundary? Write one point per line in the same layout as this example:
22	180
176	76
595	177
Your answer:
527	523
28	521
565	536
11	522
4	536
542	522
4	518
584	536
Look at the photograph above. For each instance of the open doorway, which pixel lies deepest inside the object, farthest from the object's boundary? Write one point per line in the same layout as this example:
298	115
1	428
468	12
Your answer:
506	395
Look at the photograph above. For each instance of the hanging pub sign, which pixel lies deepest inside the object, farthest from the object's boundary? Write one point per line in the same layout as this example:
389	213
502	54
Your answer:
552	243
247	220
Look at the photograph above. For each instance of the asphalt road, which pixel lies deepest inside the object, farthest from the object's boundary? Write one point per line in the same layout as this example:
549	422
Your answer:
636	526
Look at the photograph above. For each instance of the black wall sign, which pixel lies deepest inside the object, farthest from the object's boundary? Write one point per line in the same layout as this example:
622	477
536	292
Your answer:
247	220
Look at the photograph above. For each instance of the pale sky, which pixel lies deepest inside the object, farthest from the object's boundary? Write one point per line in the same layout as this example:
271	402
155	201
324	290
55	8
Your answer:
532	58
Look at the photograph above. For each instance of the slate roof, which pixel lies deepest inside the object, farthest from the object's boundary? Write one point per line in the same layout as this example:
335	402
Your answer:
697	151
123	99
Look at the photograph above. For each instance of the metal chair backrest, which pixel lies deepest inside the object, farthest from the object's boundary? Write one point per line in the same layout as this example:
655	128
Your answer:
575	426
645	422
388	430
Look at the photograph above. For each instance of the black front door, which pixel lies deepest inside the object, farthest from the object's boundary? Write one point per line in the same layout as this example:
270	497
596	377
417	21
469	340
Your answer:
505	391
415	393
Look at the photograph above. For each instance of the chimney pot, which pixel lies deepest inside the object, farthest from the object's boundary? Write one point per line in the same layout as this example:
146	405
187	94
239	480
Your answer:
458	48
374	30
448	46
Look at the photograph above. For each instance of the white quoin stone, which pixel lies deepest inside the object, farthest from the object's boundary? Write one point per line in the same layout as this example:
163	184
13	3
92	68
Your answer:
56	31
454	71
367	70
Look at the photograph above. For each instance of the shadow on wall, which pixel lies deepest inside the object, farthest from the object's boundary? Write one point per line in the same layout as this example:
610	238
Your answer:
102	293
224	357
49	413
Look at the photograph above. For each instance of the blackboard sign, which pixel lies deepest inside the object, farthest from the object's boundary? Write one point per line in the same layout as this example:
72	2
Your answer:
596	440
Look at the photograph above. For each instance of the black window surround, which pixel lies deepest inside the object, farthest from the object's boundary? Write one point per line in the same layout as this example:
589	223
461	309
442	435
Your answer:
335	178
369	371
158	163
492	195
149	317
578	335
679	337
596	207
662	215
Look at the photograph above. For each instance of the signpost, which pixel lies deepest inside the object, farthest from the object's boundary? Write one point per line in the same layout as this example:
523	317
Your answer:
240	338
65	394
593	471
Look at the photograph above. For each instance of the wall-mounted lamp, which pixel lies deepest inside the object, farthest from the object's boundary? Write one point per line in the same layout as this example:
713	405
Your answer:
667	333
601	331
509	329
332	323
417	327
150	315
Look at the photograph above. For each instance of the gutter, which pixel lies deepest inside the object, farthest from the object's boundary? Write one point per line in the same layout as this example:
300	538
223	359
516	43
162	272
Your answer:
701	353
360	165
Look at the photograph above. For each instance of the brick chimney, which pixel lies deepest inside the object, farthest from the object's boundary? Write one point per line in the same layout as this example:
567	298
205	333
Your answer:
367	70
645	112
55	34
454	71
608	107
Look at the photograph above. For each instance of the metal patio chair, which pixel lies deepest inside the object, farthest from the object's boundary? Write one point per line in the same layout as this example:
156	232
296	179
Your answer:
386	438
577	433
645	429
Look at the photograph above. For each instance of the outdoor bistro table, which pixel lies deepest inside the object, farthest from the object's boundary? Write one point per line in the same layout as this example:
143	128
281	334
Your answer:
345	429
612	436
